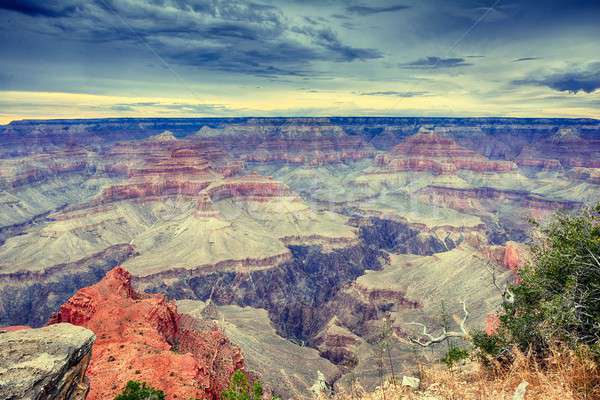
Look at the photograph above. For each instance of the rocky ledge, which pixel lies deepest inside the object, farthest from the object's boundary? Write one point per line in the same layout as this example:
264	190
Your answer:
47	363
143	337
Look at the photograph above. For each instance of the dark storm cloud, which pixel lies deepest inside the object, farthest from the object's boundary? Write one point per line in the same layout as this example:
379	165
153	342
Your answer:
328	39
370	10
47	8
436	62
585	79
395	94
230	36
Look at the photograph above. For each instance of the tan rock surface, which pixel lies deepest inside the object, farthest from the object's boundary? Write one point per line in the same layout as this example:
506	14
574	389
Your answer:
45	364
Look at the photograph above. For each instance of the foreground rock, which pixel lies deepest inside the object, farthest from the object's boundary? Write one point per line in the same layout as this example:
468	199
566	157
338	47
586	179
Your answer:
143	337
47	363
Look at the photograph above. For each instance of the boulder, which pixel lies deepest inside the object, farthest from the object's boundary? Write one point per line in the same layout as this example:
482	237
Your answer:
411	382
47	363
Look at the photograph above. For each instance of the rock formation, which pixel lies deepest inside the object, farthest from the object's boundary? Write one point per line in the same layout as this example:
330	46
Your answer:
486	198
45	364
429	151
143	337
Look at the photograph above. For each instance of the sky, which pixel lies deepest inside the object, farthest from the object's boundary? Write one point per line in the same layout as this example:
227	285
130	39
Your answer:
195	58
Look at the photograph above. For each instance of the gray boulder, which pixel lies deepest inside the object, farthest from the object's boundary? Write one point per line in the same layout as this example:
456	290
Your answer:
47	363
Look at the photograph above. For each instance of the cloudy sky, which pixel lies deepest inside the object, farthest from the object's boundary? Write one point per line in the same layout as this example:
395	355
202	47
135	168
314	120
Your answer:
97	58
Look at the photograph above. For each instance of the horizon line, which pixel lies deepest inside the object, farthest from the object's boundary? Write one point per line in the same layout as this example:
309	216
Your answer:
241	117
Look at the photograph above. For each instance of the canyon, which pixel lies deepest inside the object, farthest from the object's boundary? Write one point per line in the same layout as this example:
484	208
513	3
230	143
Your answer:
295	245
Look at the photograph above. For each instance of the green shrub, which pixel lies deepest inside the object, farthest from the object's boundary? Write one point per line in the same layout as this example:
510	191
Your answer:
455	354
489	344
240	389
558	297
135	390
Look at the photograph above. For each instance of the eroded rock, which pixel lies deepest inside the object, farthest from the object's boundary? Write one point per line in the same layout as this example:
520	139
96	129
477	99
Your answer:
143	337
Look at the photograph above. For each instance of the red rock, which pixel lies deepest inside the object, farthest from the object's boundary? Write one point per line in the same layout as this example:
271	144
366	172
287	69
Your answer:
204	207
492	324
428	151
251	187
142	337
512	260
14	328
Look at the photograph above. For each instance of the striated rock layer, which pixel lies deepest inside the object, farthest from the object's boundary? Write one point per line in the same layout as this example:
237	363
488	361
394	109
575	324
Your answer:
143	337
45	364
429	151
485	198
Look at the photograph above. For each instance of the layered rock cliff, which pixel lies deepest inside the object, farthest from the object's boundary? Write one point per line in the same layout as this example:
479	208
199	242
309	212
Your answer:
429	151
45	364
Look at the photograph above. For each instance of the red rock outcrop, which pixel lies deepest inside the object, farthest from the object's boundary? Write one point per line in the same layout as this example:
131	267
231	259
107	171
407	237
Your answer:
142	337
429	151
152	188
512	259
184	168
511	255
492	323
252	187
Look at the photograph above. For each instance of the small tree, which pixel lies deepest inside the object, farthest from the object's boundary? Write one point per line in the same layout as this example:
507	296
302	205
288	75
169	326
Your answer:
240	389
135	390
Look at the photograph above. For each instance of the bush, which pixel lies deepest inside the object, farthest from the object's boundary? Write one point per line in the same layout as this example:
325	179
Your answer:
558	297
455	354
488	344
135	390
239	388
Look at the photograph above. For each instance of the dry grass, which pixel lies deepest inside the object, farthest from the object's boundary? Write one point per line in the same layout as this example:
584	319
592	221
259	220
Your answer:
566	375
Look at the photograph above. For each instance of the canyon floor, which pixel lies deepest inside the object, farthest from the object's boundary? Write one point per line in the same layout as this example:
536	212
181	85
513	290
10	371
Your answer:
309	242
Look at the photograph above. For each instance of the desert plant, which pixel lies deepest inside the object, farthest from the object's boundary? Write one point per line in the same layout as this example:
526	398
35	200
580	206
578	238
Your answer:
135	390
557	298
240	389
455	355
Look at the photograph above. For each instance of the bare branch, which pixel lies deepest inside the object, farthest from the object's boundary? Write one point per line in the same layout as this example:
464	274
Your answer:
445	335
593	256
507	295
